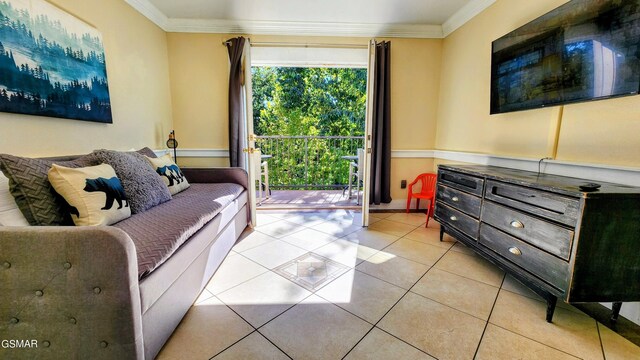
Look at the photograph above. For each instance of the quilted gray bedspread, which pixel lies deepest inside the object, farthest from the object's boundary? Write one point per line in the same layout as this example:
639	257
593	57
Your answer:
161	230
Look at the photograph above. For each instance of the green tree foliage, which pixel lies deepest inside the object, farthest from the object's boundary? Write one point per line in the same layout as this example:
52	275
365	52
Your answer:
309	102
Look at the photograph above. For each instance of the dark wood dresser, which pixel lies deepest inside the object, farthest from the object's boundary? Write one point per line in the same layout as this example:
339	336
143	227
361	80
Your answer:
578	245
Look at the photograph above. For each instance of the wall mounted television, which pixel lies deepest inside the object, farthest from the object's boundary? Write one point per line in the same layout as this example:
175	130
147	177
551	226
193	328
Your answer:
583	50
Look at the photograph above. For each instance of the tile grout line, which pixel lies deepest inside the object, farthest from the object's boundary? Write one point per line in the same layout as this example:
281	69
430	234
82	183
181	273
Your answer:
256	329
538	299
375	326
312	251
235	342
486	324
413	346
272	343
527	337
604	355
391	308
385	314
406	291
451	307
468	278
234	286
534	340
271	270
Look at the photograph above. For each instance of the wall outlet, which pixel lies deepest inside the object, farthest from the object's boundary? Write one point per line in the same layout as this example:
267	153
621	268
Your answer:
403	184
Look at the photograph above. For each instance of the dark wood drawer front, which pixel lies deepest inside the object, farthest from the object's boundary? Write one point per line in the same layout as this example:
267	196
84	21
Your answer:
462	182
552	206
547	267
457	219
542	234
459	200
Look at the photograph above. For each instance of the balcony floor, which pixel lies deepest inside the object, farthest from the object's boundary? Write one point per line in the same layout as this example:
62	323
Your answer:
308	199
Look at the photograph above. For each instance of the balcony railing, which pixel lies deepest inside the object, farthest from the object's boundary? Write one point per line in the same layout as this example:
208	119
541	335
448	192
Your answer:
309	162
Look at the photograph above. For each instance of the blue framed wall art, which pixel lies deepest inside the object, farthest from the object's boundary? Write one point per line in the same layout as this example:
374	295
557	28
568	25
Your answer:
51	63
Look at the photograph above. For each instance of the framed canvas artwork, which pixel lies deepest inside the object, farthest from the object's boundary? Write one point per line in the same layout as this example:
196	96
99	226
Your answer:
51	63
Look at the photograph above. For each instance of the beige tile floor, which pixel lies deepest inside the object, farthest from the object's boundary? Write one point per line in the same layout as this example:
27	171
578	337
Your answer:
401	294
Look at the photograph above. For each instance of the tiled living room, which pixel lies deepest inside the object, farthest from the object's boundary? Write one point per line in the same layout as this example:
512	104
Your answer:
390	291
127	227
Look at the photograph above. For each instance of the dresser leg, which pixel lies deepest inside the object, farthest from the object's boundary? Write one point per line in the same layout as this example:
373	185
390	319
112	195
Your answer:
441	232
615	310
551	307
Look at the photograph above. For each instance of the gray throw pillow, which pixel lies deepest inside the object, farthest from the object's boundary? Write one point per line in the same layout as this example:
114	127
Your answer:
34	195
147	152
143	186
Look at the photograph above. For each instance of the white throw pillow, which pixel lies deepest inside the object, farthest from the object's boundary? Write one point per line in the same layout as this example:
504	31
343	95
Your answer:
94	193
169	172
10	214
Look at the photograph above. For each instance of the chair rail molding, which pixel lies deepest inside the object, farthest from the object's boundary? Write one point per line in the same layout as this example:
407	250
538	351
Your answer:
414	154
600	172
196	153
626	175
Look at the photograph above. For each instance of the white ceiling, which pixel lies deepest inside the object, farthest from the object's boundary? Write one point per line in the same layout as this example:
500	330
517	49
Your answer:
430	12
406	18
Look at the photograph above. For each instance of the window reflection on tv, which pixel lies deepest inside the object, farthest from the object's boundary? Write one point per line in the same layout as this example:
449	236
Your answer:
584	50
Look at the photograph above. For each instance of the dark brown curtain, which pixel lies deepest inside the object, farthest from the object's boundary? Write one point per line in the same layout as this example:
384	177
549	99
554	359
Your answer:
235	47
381	132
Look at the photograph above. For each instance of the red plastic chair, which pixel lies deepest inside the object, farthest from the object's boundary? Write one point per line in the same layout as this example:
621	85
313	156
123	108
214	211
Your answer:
427	192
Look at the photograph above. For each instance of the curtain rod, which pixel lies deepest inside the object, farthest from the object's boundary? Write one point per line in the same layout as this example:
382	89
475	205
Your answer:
303	45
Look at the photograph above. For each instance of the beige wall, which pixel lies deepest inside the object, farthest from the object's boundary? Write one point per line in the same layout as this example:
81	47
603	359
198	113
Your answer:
415	82
407	169
199	72
138	75
598	132
199	84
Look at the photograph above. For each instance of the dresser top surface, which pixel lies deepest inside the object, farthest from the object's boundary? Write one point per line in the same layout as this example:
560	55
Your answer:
562	184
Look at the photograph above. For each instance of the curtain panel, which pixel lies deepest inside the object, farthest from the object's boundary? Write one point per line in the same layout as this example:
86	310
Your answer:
380	190
235	48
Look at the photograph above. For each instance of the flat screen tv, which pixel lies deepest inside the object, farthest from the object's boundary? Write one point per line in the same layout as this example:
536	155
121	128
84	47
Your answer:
583	50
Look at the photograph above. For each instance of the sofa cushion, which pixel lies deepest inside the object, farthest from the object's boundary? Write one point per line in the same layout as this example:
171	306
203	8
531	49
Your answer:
161	230
170	173
142	184
10	214
33	193
94	193
147	152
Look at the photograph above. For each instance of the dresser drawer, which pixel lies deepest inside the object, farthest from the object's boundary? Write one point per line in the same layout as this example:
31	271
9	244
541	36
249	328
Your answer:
542	234
547	267
457	219
464	182
459	200
562	209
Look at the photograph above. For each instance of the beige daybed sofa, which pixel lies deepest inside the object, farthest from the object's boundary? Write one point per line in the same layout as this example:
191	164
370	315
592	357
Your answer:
112	292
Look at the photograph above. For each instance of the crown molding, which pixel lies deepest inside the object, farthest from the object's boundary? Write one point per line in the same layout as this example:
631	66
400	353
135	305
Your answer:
303	28
219	26
151	12
465	14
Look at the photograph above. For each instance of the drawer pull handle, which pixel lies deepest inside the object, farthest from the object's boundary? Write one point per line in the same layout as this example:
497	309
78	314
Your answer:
453	218
515	251
455	199
517	224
